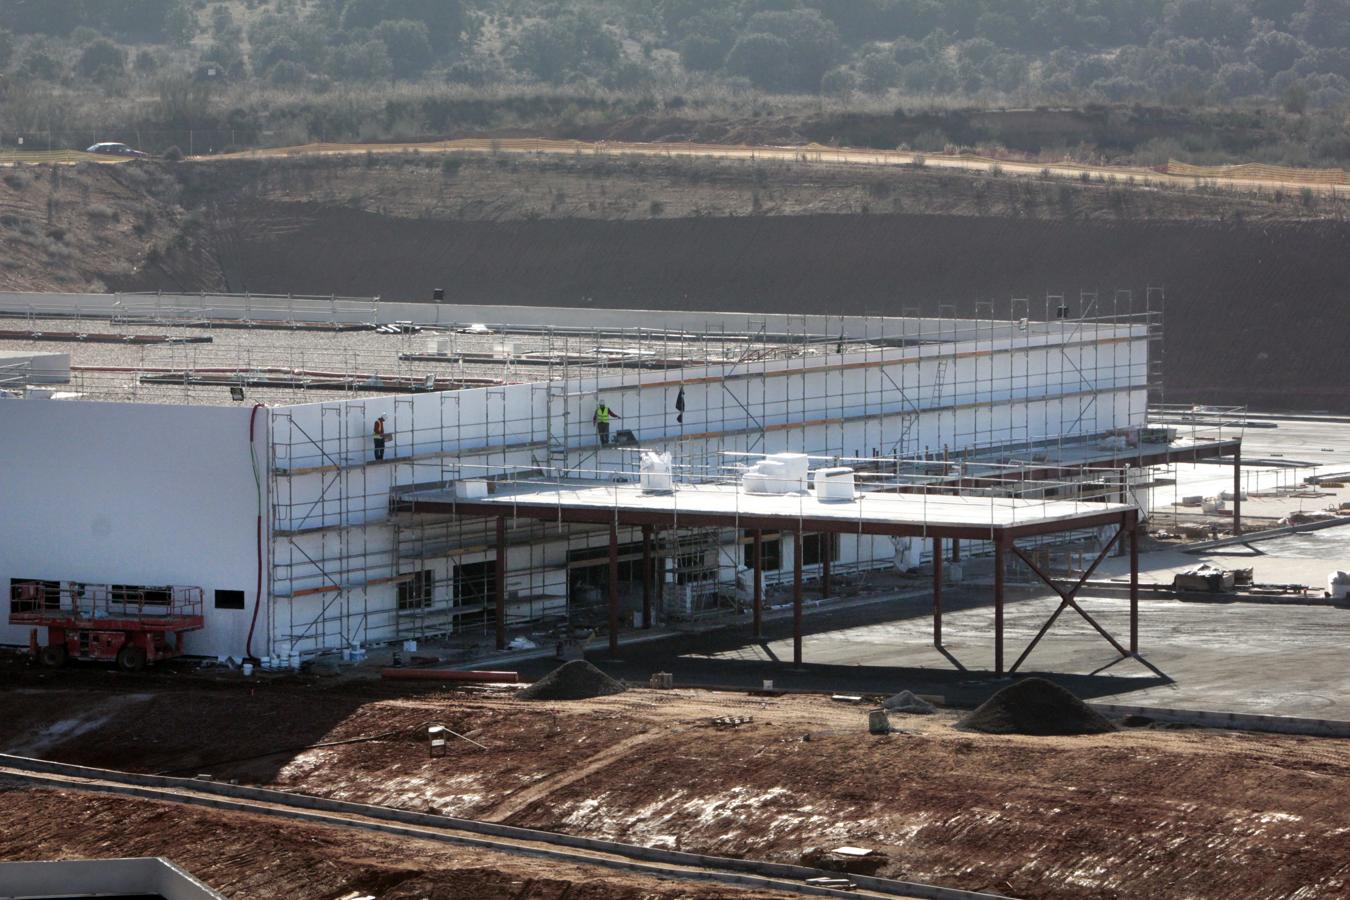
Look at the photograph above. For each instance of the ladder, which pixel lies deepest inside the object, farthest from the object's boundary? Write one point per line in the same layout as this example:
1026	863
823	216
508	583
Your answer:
556	424
901	447
939	381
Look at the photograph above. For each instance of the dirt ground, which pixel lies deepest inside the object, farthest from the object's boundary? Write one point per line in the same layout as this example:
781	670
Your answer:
1145	812
250	856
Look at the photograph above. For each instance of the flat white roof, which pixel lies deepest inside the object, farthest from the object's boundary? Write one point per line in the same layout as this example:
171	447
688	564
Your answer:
873	511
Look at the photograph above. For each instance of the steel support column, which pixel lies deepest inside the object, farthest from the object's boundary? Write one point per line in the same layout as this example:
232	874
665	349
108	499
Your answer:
499	587
999	542
826	545
1134	585
646	576
937	592
759	583
613	589
796	598
1237	490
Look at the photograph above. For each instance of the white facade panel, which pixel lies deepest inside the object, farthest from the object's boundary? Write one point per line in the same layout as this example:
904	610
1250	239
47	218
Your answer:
133	494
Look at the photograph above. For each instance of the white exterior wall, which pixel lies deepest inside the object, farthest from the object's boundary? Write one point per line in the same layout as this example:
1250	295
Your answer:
126	493
1005	386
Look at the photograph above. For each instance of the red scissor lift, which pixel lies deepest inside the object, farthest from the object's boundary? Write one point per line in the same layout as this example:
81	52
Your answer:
127	624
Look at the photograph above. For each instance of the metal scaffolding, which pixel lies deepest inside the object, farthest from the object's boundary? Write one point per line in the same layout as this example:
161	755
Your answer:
1017	400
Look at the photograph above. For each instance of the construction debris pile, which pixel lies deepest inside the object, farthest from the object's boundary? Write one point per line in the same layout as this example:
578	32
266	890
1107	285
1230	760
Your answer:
573	680
908	702
1037	707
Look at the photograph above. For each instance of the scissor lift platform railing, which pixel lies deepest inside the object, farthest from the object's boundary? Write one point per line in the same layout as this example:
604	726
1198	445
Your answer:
129	624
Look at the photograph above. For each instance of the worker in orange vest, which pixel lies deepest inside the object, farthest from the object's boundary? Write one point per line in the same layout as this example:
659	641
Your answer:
379	438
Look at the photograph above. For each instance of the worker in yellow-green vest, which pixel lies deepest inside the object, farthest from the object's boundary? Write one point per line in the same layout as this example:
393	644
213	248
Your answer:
601	421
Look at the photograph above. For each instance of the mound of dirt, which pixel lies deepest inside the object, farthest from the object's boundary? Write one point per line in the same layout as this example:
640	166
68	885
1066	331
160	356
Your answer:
573	680
907	702
1036	706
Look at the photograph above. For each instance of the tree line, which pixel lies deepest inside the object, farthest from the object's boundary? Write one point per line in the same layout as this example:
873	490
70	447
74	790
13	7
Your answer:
1294	54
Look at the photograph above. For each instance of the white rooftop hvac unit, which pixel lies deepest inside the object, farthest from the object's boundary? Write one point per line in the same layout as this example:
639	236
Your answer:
834	485
778	473
655	475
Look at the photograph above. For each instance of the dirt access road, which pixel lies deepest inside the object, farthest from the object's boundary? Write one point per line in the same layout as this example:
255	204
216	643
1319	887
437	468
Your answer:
1241	178
817	153
1146	812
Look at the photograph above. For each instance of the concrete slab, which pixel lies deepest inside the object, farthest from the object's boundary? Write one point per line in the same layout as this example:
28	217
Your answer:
1305	558
1239	657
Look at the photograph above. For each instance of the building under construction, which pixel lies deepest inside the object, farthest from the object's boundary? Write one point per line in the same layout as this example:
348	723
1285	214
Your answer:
228	443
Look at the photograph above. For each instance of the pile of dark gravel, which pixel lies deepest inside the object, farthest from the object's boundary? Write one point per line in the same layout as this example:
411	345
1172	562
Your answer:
573	680
1036	706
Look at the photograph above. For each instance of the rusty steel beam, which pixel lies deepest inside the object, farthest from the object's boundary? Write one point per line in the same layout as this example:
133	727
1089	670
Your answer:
1134	585
499	588
937	592
826	540
1067	598
796	598
646	576
998	605
759	582
613	590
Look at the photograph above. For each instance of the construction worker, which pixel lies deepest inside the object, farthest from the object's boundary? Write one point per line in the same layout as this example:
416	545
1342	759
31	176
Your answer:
601	421
379	438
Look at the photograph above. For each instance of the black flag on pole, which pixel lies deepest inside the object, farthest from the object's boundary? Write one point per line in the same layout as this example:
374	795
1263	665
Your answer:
679	405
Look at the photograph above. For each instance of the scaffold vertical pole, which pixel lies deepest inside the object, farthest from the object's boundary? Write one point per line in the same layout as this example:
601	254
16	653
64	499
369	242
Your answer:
937	592
1134	582
797	598
1237	490
646	576
613	589
759	583
999	542
499	587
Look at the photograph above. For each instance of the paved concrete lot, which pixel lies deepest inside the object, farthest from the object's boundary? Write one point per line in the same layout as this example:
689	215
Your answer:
1240	657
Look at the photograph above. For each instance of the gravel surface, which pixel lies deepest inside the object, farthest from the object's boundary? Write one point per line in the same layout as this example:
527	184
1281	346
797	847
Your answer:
1036	706
573	680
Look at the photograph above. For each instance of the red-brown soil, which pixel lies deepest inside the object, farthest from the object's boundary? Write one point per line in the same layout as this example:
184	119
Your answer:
1142	812
251	856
